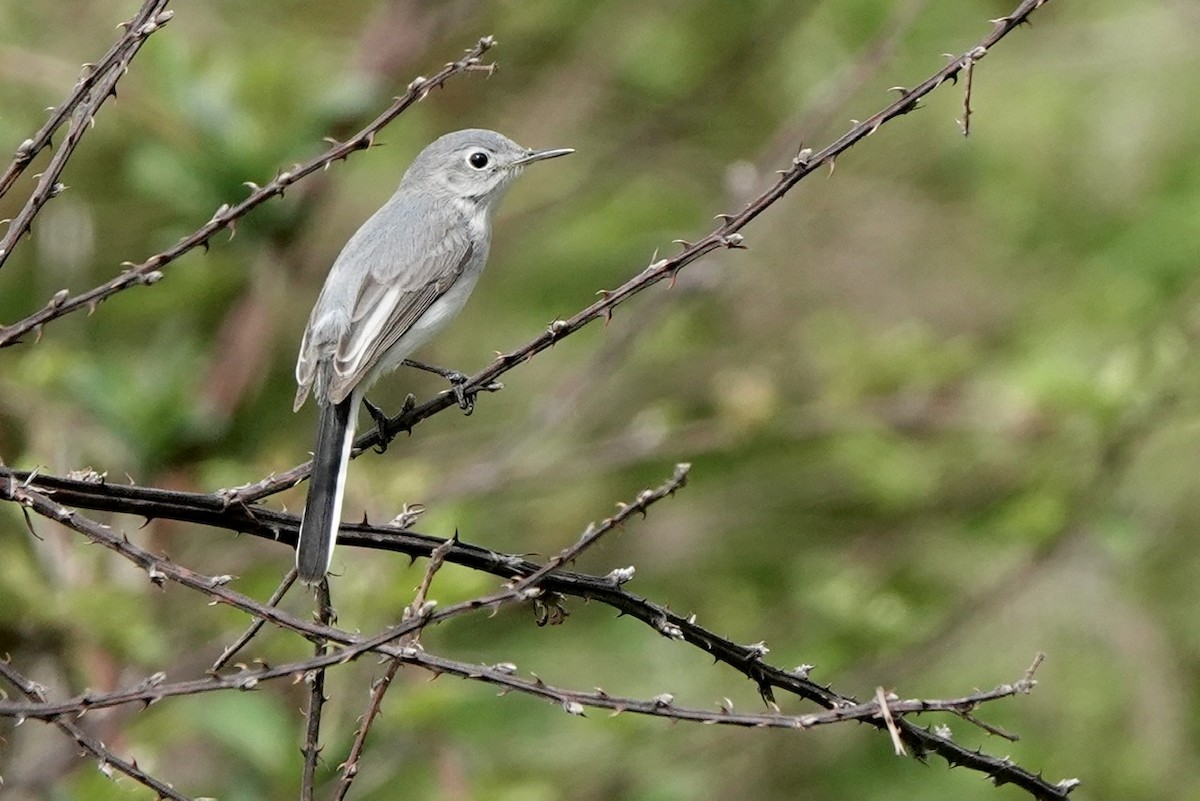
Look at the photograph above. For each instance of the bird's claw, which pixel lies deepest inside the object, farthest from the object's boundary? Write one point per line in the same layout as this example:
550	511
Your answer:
465	398
381	420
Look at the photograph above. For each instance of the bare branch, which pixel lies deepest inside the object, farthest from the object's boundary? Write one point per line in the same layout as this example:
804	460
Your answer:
48	185
249	634
108	761
349	769
275	525
315	679
133	30
504	676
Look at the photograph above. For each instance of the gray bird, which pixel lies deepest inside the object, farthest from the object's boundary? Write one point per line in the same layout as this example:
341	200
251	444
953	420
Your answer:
406	272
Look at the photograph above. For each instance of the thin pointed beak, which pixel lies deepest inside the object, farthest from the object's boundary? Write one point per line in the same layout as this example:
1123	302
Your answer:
540	155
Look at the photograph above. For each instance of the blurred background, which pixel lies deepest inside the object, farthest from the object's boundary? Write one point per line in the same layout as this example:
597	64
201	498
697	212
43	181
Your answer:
943	414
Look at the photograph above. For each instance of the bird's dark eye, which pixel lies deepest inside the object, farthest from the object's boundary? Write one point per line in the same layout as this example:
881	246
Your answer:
478	159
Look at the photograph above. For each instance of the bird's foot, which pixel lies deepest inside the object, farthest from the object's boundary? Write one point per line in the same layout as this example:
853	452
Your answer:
381	419
458	381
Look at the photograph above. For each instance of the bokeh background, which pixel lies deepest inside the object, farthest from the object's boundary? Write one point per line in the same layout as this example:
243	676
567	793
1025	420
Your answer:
943	414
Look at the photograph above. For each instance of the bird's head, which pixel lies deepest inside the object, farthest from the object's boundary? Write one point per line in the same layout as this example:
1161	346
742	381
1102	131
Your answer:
474	164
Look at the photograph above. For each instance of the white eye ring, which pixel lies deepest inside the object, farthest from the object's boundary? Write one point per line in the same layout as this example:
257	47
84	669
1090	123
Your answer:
478	159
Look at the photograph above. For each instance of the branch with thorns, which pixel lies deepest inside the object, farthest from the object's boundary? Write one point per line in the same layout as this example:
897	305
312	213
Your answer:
108	762
349	768
83	117
504	675
133	30
607	589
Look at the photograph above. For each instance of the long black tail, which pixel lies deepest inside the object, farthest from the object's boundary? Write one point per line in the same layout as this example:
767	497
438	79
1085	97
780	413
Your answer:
323	508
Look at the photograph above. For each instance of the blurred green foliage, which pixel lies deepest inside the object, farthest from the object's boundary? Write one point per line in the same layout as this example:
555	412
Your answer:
943	413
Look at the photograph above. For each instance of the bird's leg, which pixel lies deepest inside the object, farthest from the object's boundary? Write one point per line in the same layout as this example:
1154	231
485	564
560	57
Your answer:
381	419
465	397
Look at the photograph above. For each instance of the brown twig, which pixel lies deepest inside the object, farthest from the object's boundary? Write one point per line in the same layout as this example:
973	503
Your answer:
108	761
968	79
315	678
150	271
350	767
84	116
882	703
35	144
504	676
249	634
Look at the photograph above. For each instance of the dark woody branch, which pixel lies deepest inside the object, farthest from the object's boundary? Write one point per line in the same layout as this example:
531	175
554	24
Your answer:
269	524
504	675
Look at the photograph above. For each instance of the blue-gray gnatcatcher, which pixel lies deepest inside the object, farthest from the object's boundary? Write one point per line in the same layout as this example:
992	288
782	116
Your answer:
406	272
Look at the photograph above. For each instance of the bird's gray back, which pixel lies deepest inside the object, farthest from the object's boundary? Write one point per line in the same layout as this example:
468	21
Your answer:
416	241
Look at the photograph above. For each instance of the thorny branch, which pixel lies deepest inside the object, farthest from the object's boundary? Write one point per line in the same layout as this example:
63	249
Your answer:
503	675
48	185
207	509
254	628
161	569
108	761
28	150
150	271
727	235
315	679
349	769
